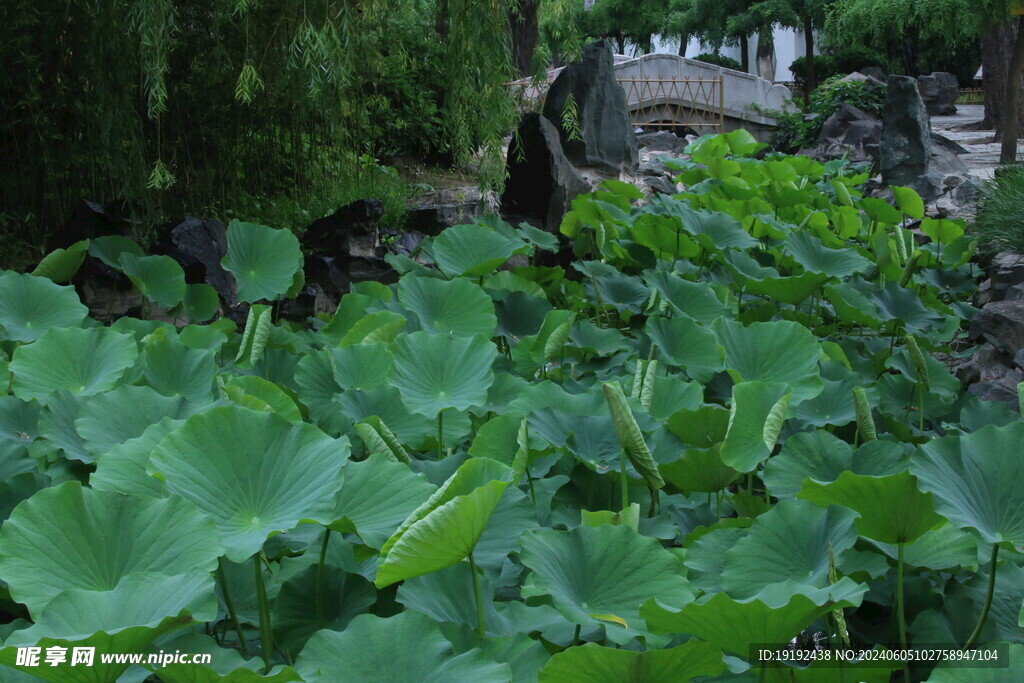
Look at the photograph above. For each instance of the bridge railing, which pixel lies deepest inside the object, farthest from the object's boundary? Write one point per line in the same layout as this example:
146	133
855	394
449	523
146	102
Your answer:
697	104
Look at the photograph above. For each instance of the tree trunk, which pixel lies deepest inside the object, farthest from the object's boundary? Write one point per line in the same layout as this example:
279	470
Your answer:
766	54
996	55
683	38
744	54
1011	101
812	77
525	33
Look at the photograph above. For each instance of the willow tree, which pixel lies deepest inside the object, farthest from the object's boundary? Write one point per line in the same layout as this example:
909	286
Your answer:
176	106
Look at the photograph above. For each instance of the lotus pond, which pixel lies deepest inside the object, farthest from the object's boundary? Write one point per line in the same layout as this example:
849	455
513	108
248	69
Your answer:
726	422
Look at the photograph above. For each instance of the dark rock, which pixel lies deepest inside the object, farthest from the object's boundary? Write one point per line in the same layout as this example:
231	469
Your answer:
939	90
944	142
90	219
905	151
406	243
849	132
875	72
835	125
661	185
1001	323
432	212
984	365
199	246
607	138
1003	389
661	141
541	181
870	82
329	235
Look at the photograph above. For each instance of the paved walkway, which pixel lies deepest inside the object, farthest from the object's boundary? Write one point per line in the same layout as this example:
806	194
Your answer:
982	154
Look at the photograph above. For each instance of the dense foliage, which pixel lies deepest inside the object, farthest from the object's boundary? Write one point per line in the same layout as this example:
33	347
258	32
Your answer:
176	106
718	60
722	424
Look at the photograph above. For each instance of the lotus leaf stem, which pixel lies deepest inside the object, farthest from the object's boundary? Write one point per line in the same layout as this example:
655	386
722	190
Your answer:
900	613
480	629
266	633
320	579
440	434
988	598
230	604
622	479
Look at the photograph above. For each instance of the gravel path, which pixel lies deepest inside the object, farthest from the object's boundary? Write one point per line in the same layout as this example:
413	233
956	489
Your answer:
983	154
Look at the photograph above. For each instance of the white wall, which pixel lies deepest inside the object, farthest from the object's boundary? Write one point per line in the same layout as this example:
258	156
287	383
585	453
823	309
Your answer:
789	45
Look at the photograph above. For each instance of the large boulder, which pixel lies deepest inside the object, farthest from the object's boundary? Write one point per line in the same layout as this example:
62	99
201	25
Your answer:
1001	323
541	181
200	244
849	132
432	212
939	90
906	148
605	137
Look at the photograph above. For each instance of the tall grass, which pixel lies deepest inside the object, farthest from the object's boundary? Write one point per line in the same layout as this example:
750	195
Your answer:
1000	219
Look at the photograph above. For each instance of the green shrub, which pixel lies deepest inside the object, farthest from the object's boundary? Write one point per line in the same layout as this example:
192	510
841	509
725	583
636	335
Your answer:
851	59
824	67
719	60
1000	220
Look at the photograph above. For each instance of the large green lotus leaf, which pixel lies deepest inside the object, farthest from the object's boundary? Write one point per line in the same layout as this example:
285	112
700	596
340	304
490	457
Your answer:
895	303
601	574
621	291
735	625
445	535
406	648
714	231
57	425
344	597
81	361
779	351
263	260
314	377
174	369
806	531
815	257
361	366
434	372
30	305
974	478
201	302
673	394
125	468
109	248
472	476
597	664
124	413
411	429
60	265
791	290
473	250
158	278
892	509
515	513
665	236
138	599
456	307
378	494
257	393
127	619
950	673
853	306
226	664
699	470
754	421
254	473
833	406
688	345
695	300
822	457
448	596
946	547
705	556
702	427
61	538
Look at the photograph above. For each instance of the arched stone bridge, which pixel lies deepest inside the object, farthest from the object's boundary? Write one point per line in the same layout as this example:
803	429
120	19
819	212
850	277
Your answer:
668	91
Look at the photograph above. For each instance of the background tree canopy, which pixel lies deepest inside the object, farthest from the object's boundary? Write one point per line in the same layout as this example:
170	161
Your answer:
174	106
